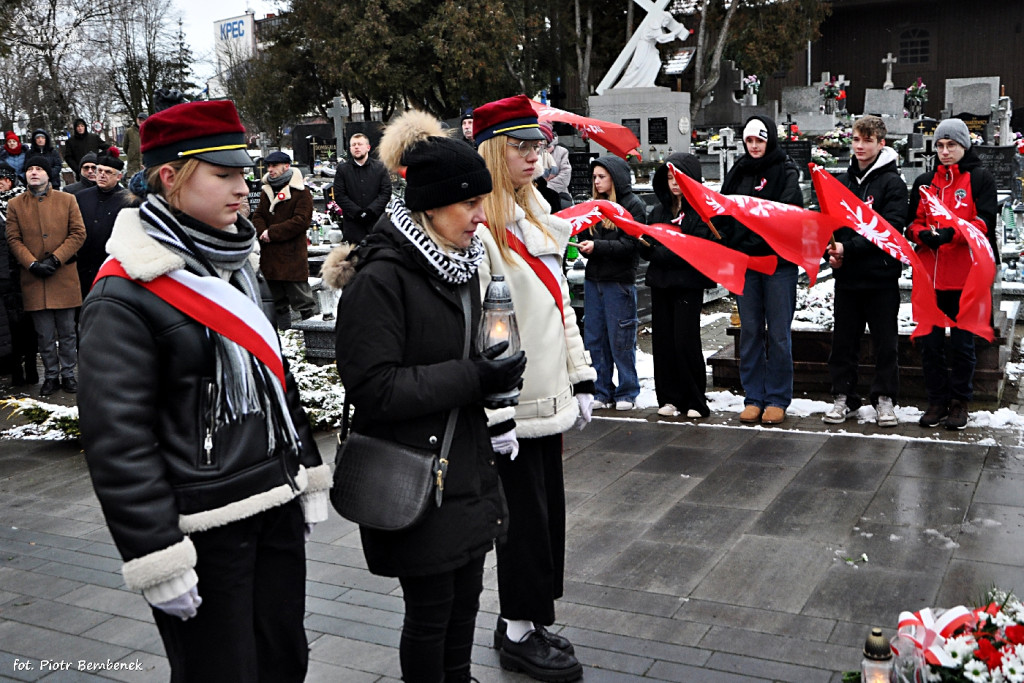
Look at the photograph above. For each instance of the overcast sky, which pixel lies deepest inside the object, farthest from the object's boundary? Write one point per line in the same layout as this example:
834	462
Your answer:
198	17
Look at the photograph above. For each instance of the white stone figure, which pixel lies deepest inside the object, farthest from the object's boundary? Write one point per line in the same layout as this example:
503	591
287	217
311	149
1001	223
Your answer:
657	27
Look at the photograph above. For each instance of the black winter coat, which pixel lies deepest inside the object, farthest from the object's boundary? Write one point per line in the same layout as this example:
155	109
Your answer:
666	269
865	266
77	146
147	375
49	153
399	350
774	176
615	257
358	189
99	211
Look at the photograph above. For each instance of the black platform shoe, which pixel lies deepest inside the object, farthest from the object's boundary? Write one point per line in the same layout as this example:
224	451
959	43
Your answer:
556	641
537	659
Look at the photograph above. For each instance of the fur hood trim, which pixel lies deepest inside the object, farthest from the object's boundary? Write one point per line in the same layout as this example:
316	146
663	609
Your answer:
405	131
338	269
163	565
142	257
243	509
537	243
296	183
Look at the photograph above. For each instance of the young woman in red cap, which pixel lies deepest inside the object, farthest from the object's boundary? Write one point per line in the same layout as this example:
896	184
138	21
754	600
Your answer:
200	453
525	244
402	336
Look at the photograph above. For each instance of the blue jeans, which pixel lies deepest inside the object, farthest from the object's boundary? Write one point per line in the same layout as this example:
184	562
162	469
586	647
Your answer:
609	333
766	340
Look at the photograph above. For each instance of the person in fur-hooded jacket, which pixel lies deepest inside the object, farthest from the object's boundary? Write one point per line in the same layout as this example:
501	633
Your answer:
401	338
525	243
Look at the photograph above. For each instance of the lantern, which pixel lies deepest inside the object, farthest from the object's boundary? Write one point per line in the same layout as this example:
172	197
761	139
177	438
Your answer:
498	324
876	667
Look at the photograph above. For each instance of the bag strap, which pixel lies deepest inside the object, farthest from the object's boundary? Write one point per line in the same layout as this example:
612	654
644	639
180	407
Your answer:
449	430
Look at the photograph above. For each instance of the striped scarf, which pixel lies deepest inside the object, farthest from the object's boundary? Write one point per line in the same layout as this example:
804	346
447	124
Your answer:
244	385
456	267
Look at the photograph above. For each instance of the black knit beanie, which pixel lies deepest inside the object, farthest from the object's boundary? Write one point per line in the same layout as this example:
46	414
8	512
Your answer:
40	161
7	171
442	171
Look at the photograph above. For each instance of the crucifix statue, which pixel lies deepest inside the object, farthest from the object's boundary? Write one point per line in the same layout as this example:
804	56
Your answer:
641	52
888	61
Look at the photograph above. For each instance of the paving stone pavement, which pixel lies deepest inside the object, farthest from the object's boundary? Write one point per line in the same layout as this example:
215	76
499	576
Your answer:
708	552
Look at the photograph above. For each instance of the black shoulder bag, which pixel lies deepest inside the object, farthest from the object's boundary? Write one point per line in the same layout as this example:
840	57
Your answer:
384	485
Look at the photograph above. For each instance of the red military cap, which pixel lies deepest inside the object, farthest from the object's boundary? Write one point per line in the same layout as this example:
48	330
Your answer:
206	130
511	116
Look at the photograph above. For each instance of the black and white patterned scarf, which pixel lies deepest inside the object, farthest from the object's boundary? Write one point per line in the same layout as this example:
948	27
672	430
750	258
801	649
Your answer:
244	385
455	267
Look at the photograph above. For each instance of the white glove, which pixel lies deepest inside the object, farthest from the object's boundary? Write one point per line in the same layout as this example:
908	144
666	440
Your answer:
309	531
586	402
184	606
506	444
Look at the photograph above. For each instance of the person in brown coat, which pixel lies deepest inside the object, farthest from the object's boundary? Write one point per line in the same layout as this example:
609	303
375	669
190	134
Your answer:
281	221
44	231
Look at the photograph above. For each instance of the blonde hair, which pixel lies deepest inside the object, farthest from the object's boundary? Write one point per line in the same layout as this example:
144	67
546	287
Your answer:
610	195
423	220
184	168
498	208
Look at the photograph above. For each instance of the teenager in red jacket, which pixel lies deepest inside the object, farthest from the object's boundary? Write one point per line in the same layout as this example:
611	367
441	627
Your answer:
969	191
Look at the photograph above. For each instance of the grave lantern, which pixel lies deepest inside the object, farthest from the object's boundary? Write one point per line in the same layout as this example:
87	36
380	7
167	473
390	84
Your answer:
498	324
876	667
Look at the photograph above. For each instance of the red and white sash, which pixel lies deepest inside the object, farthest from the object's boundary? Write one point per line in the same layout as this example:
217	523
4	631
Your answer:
216	304
547	275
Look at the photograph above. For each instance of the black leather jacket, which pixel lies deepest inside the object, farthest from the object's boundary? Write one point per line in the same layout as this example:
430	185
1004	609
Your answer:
159	467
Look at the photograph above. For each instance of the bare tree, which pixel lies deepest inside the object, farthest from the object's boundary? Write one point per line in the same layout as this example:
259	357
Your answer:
584	43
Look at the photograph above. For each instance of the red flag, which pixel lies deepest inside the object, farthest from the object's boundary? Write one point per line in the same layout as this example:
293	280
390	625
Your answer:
725	266
614	137
836	200
796	234
975	313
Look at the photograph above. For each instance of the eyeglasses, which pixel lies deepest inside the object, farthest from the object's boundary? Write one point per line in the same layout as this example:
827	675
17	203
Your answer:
89	167
527	147
106	171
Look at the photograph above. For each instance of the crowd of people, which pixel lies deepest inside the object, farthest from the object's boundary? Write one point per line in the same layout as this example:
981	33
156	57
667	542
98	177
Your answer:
199	449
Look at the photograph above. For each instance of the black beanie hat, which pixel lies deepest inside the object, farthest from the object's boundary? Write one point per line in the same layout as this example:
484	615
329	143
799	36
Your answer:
110	161
40	161
442	171
87	158
7	171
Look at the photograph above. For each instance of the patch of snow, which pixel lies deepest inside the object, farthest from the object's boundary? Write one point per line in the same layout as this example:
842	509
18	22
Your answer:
947	542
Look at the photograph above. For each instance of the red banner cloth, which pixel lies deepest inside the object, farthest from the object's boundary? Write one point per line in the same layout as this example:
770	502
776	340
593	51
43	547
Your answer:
975	313
796	234
725	266
617	139
837	201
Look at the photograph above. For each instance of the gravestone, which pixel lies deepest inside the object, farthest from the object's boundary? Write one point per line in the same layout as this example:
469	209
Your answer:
580	182
888	61
721	108
664	115
803	103
952	84
1001	161
973	104
889	105
800	152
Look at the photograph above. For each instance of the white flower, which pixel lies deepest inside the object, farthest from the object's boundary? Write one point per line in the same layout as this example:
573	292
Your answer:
1012	667
960	648
976	672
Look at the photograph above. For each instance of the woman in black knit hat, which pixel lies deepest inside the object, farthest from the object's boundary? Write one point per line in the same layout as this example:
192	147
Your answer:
400	350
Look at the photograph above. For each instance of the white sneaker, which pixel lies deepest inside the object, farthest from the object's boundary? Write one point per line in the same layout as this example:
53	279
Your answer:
886	413
598	405
839	411
623	405
691	413
668	410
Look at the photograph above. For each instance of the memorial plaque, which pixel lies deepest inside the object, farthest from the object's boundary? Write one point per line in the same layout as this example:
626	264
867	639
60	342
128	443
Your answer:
255	189
926	126
633	125
1001	162
580	182
975	124
800	152
657	131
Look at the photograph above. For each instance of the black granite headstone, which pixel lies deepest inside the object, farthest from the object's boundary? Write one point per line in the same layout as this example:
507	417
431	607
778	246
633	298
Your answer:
657	131
633	125
1001	162
800	152
580	183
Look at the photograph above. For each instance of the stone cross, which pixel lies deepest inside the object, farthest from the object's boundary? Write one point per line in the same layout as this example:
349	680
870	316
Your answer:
338	111
725	149
888	61
653	9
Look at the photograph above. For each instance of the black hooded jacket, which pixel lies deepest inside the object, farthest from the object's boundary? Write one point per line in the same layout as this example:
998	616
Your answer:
666	269
615	257
880	186
774	176
49	153
78	145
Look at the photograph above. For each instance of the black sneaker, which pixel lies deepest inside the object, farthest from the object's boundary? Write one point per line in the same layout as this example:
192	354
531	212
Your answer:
50	386
69	384
957	415
934	415
537	659
556	641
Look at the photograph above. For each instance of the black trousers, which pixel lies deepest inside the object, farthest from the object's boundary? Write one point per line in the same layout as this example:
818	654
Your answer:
440	617
680	373
879	310
252	579
531	561
953	377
